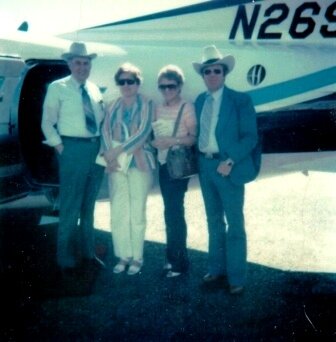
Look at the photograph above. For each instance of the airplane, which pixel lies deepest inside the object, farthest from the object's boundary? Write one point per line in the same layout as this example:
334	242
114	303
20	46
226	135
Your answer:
285	60
28	63
284	52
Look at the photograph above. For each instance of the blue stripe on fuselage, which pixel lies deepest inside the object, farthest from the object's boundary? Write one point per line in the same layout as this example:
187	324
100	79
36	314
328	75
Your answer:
293	87
202	7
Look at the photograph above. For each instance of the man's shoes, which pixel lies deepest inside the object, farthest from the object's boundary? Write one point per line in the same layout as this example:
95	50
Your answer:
95	262
236	290
209	278
68	272
213	282
98	262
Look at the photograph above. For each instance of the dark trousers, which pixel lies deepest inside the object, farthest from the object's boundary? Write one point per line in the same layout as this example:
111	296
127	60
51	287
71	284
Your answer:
173	191
80	180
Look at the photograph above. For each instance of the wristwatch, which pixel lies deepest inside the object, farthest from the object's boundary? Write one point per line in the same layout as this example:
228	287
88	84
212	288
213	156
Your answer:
229	162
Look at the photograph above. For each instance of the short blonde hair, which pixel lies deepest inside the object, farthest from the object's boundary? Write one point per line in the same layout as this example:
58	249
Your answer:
130	69
172	72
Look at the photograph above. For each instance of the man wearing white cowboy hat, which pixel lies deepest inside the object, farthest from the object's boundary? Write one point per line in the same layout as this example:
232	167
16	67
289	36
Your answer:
227	137
72	113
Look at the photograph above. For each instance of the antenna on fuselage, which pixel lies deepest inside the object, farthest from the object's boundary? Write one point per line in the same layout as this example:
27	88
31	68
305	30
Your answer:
23	27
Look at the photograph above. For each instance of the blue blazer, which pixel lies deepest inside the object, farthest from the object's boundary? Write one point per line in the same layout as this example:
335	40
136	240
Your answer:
236	134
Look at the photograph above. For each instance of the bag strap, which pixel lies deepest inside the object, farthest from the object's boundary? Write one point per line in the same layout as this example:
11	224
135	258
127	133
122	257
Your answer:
178	119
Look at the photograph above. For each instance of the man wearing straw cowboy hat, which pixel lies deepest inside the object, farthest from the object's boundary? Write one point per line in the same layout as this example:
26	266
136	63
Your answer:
72	113
226	140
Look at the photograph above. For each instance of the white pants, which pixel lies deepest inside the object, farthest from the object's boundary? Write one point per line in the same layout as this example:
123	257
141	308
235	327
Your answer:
128	198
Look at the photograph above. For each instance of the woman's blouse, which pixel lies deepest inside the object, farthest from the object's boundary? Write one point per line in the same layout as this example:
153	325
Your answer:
165	117
132	128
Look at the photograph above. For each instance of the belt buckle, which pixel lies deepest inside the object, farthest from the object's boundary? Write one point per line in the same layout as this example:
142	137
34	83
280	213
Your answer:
93	139
208	155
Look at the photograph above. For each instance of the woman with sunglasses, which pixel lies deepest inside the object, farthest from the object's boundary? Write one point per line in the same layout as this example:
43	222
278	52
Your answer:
170	83
130	162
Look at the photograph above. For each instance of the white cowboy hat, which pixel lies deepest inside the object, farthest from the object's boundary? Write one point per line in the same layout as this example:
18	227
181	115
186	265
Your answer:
211	55
78	49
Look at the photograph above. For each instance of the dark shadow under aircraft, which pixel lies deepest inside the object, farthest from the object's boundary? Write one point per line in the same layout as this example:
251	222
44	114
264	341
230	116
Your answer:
278	305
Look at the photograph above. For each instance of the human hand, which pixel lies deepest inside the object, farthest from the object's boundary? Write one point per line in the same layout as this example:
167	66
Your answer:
224	168
59	148
163	143
112	154
112	166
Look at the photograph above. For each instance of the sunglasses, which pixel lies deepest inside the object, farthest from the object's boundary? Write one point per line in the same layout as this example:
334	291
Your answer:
125	81
167	86
210	71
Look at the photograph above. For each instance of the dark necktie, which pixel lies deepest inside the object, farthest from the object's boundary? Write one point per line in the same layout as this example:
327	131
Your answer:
205	122
90	119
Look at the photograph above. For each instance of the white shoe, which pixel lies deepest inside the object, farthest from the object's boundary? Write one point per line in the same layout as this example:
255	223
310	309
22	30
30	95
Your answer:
135	267
120	266
172	274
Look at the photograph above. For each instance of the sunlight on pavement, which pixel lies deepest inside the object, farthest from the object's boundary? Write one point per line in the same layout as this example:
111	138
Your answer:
290	221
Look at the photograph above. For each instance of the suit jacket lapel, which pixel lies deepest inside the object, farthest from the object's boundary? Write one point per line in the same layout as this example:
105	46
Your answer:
199	106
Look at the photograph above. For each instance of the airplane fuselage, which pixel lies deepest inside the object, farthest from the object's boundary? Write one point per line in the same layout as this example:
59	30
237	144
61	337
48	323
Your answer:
285	60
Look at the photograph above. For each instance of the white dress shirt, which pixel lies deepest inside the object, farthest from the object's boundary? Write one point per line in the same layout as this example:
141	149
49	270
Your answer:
217	99
63	112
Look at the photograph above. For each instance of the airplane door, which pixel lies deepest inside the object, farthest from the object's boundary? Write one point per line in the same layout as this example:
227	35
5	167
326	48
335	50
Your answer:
12	182
40	160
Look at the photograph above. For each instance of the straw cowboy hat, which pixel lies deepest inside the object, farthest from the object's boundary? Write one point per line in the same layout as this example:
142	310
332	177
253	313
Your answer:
78	49
211	55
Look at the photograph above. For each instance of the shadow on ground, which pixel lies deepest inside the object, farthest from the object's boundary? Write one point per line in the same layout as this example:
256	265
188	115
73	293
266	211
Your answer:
102	306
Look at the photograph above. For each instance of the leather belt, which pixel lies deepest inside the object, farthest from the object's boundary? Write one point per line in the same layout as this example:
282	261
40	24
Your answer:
82	139
210	155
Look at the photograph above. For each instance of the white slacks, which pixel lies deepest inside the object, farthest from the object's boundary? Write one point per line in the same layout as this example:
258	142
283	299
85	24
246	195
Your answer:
128	198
